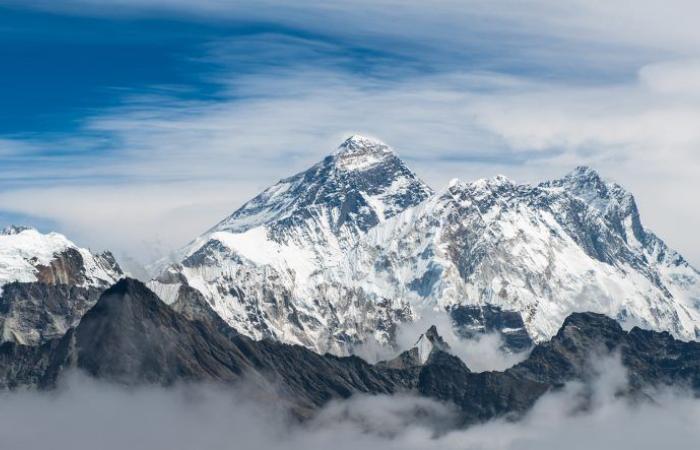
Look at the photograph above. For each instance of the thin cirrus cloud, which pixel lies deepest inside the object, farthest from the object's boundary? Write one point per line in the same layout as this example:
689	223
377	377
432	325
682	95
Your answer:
460	90
654	24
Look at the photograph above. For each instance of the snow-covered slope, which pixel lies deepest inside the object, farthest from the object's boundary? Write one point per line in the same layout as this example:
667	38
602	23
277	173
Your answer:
258	268
357	244
574	244
27	255
47	283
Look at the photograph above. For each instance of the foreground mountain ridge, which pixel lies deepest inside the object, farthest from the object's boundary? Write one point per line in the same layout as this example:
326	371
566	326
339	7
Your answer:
347	251
131	337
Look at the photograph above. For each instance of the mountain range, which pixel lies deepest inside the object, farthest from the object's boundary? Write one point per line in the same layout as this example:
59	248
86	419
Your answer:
357	246
280	294
132	338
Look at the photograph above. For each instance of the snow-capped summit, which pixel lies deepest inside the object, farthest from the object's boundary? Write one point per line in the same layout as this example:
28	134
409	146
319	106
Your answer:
47	283
480	188
587	184
26	255
583	173
14	229
355	245
356	187
362	144
361	153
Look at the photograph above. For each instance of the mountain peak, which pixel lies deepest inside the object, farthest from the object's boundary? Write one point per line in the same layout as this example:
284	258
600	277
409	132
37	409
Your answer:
495	181
14	229
429	341
360	184
127	285
481	187
361	152
584	182
27	255
584	173
358	142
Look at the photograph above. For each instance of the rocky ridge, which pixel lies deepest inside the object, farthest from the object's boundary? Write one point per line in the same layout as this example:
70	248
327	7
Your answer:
131	337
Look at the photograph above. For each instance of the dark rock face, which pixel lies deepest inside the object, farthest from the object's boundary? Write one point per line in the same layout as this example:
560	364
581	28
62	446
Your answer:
437	340
24	366
32	313
651	358
659	358
67	267
568	354
428	344
132	337
193	306
479	396
406	359
472	320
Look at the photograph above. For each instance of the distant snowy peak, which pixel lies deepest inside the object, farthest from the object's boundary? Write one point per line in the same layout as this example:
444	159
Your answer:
361	153
47	283
617	209
13	229
586	184
359	185
26	256
479	189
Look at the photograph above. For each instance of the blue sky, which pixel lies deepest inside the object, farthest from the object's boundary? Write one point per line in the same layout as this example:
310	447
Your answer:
136	124
59	69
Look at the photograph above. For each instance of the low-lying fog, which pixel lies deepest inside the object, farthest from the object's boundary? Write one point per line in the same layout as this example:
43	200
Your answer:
84	414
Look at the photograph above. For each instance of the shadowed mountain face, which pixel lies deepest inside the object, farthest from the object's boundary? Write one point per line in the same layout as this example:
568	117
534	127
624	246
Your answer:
131	337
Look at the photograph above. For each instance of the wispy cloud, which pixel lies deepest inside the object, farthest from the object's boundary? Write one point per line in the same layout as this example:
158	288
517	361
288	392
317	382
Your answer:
654	24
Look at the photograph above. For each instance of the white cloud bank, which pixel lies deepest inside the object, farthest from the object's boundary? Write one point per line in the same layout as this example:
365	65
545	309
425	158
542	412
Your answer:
85	415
